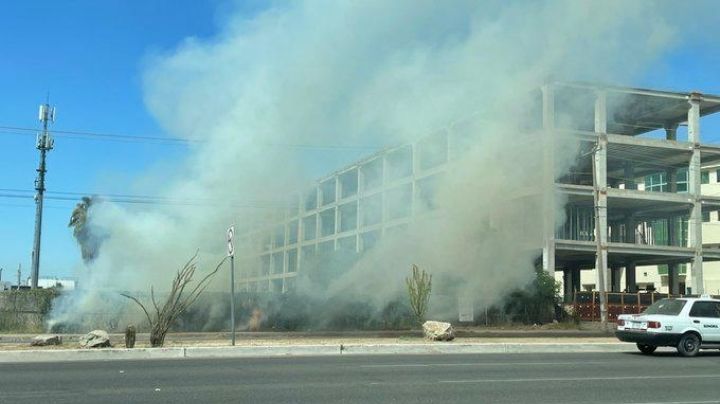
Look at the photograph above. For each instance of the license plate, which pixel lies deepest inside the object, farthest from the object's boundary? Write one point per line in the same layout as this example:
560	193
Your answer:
637	325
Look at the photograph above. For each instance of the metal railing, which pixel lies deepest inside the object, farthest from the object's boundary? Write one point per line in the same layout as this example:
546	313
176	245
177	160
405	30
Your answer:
587	304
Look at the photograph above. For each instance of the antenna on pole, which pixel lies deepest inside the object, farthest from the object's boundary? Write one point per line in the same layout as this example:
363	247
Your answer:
45	143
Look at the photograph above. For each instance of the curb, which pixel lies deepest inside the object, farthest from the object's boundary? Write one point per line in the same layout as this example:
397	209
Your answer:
79	355
490	348
259	351
277	335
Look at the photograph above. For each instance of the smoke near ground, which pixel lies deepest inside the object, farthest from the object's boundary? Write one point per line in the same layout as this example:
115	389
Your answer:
271	95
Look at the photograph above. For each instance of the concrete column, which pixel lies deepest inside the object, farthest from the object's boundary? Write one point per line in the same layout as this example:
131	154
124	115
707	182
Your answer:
673	282
673	268
630	277
630	225
384	188
600	157
671	179
615	275
301	230
629	175
317	215
695	222
415	150
337	212
672	231
567	285
575	278
548	258
358	220
571	282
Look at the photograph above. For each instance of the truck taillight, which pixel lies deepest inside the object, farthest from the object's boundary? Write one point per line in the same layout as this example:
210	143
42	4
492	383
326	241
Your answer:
654	324
620	323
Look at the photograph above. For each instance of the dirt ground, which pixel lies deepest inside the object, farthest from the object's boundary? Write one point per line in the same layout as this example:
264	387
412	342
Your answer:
561	333
70	342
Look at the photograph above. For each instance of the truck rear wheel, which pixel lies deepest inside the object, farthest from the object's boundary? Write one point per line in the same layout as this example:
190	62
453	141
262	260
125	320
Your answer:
689	345
646	349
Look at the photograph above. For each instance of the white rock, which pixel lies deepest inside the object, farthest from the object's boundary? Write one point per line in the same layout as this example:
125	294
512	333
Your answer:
95	339
438	331
46	339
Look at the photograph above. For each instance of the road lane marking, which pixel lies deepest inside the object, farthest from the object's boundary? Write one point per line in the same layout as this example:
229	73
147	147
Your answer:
410	365
580	379
676	402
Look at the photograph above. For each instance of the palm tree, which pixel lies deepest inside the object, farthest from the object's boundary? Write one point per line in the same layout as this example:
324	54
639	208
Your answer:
89	243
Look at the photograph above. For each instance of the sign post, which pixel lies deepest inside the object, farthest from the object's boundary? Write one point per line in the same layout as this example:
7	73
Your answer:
231	254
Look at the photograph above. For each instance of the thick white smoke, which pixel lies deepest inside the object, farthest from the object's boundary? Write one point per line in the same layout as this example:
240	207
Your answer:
378	73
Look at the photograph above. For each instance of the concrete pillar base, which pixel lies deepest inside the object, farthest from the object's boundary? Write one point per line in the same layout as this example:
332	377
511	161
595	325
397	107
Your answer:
576	279
567	285
630	278
571	283
673	281
615	275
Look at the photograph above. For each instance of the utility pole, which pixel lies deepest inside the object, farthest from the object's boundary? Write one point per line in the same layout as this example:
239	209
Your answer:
44	144
231	254
19	274
600	200
599	255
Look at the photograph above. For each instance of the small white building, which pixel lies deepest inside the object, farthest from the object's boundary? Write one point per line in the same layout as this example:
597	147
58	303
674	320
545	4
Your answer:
60	283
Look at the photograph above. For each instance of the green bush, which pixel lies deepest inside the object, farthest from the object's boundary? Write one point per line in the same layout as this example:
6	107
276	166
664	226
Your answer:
534	304
397	315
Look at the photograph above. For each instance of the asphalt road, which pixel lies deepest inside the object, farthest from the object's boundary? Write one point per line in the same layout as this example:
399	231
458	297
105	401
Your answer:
510	378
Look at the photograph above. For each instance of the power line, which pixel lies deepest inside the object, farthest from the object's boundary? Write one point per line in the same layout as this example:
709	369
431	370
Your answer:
150	200
26	205
103	195
125	138
107	136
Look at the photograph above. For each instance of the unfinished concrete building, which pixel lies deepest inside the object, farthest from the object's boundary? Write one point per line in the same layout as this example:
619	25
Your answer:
625	136
631	136
349	210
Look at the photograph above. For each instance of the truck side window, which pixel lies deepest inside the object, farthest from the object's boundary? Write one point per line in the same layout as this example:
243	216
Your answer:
705	309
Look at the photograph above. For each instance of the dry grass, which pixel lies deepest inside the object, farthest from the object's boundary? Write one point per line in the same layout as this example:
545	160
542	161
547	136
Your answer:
326	341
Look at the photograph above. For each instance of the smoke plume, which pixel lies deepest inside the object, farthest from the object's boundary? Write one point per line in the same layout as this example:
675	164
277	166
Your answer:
272	95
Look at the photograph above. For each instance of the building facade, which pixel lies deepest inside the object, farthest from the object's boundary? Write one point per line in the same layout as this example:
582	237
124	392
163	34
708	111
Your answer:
637	170
348	210
657	278
657	223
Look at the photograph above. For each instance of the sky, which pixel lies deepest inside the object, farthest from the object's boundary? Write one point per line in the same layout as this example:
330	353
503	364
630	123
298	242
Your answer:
89	57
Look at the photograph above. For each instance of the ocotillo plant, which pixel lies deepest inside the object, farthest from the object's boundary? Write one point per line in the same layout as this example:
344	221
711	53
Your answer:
176	303
419	285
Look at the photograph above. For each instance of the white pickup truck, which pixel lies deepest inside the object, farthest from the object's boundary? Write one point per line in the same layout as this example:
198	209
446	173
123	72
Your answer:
689	324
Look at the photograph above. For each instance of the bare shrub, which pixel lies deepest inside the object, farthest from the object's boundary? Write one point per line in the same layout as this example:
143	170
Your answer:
176	302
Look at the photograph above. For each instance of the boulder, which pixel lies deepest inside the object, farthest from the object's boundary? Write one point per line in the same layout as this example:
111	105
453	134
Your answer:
438	331
46	339
95	339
